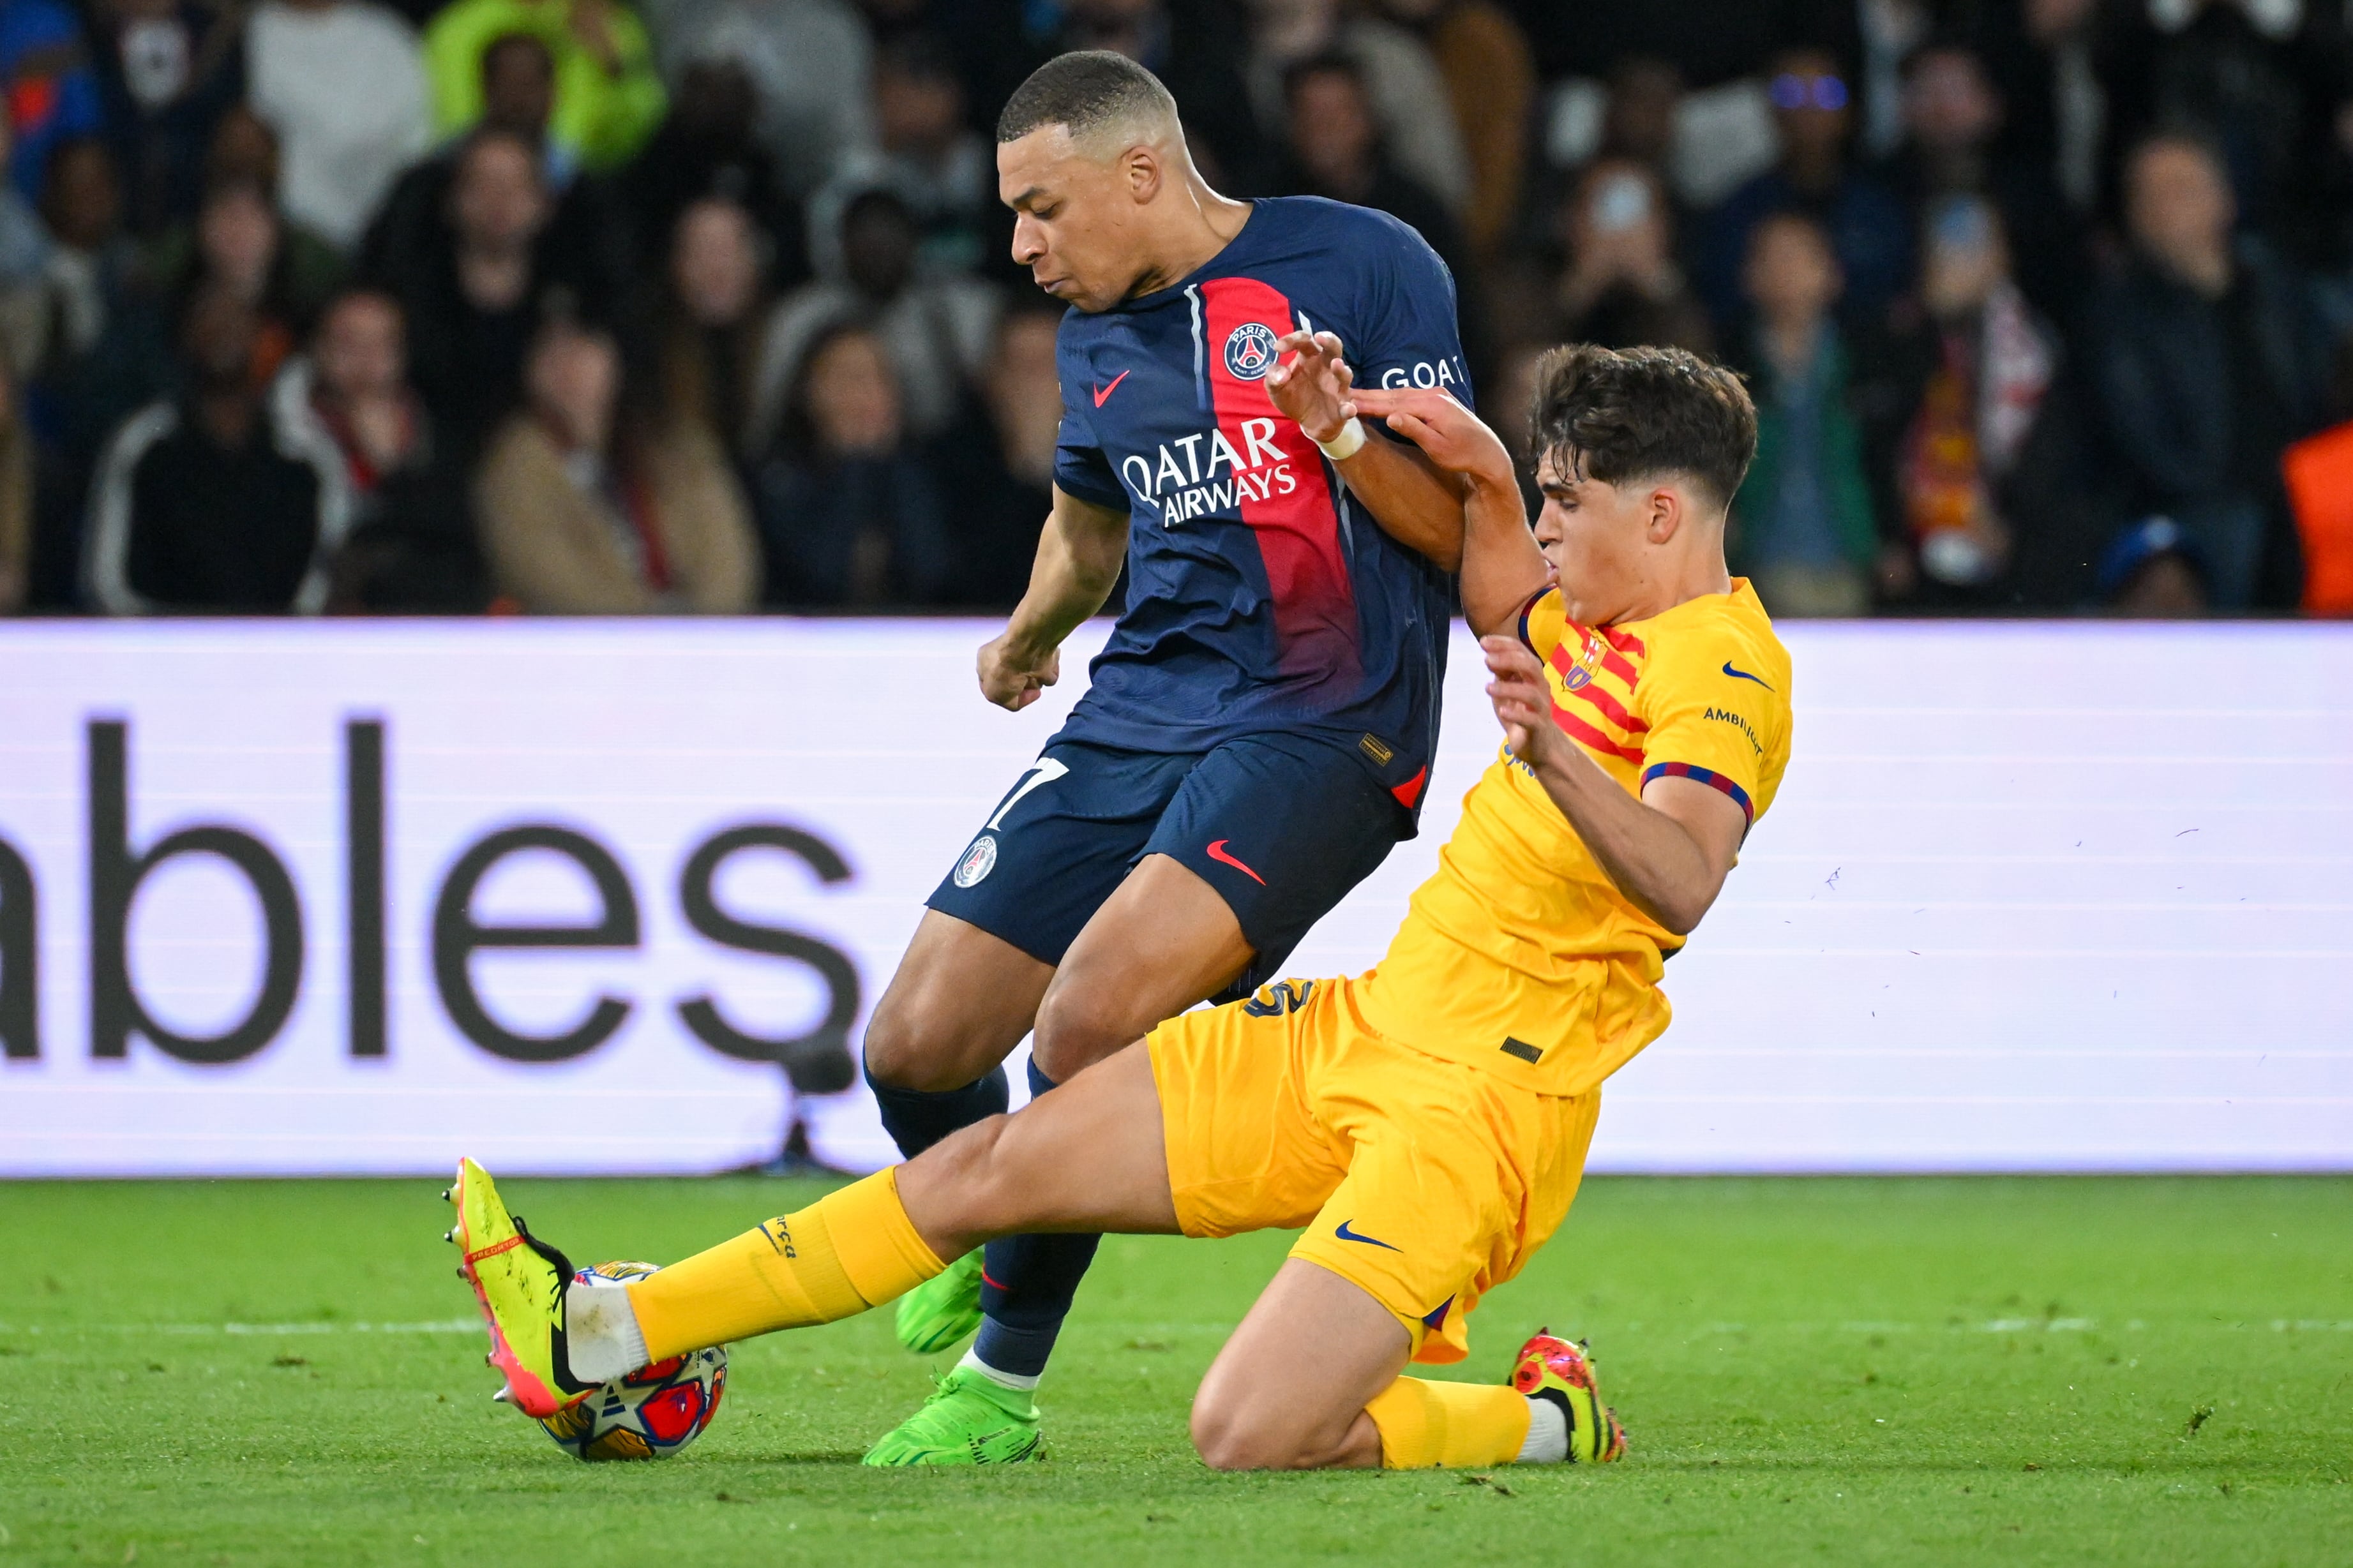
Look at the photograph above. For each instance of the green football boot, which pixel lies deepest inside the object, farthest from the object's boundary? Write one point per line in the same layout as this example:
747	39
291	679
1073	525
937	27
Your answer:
943	1311
968	1420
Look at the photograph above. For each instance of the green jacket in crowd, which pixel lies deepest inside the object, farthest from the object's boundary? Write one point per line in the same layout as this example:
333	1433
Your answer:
602	116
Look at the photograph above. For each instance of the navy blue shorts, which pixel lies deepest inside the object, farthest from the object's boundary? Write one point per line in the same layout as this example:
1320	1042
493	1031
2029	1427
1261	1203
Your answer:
1281	825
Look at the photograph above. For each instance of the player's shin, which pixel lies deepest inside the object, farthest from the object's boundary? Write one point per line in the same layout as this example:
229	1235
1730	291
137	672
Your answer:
1454	1425
852	1249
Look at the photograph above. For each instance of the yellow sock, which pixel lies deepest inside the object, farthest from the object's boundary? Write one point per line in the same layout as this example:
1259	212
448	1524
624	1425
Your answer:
1454	1425
849	1250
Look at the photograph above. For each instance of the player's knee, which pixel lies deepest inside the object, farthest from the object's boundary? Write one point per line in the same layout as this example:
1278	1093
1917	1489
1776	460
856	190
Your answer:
904	1049
973	1168
1078	1026
1229	1436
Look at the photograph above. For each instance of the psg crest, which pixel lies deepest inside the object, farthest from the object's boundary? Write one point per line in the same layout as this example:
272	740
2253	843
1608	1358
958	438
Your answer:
1250	350
978	861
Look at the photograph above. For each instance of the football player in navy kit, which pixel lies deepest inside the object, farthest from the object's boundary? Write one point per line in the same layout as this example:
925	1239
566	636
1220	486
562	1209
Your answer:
1257	732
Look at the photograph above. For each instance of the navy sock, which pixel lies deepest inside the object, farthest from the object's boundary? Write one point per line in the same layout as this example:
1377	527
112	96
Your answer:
1026	1285
918	1118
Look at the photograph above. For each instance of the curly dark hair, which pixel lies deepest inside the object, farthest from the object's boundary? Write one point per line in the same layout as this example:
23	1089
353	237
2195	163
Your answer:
1615	414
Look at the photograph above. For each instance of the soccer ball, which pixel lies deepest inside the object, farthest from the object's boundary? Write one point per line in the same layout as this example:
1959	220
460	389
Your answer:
650	1413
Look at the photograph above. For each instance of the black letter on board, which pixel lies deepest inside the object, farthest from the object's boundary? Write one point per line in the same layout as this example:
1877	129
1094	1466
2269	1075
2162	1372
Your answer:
818	1062
456	936
115	874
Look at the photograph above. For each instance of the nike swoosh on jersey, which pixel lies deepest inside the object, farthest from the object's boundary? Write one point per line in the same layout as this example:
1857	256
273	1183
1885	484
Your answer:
1744	675
1218	852
1103	393
1344	1234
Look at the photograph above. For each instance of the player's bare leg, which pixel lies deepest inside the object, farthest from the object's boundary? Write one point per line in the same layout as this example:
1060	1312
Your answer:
959	1002
1289	1391
1161	942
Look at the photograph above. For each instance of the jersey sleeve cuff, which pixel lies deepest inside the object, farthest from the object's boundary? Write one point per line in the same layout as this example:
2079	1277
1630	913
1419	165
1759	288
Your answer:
1527	641
1738	796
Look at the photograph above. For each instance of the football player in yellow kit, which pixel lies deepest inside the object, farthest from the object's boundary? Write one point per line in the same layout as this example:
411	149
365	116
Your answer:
1426	1121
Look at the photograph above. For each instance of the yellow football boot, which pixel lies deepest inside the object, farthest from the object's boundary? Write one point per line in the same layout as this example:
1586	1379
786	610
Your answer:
1554	1369
519	1282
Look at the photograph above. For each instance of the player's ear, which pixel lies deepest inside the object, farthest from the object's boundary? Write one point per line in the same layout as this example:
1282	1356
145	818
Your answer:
1142	167
1666	514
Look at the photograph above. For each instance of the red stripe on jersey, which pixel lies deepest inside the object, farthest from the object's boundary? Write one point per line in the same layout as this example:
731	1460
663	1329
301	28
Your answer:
1624	642
1298	528
1610	708
1578	730
1622	670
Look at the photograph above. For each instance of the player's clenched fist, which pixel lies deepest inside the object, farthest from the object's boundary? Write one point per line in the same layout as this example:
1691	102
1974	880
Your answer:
1522	701
1013	675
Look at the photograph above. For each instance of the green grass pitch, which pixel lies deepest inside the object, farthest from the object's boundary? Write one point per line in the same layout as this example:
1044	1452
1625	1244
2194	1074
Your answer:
1820	1370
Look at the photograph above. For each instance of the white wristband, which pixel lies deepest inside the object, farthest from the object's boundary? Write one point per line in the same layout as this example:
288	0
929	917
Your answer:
1347	444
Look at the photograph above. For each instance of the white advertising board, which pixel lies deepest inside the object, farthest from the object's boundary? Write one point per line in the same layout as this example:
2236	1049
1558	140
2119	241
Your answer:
361	897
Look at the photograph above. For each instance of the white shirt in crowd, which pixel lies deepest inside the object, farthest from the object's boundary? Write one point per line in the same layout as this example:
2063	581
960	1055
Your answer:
343	85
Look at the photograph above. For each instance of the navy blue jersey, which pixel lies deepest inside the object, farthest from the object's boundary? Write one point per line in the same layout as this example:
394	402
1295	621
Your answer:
1262	597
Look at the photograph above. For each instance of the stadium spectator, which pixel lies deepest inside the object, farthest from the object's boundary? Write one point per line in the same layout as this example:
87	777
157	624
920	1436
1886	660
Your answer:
593	502
98	349
938	330
1622	286
810	61
203	502
52	93
1952	119
411	547
1803	527
706	148
240	241
1977	459
1868	231
1491	86
1402	84
1335	150
717	310
850	514
1003	460
2259	81
351	395
342	84
1637	118
927	153
92	259
167	71
2209	359
2047	60
16	497
607	95
583	245
473	302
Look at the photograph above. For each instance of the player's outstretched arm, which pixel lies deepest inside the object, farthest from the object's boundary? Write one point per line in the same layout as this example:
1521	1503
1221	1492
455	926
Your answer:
1414	503
1079	557
1501	567
1668	851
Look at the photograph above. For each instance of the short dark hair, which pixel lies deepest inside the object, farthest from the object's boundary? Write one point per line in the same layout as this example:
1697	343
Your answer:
1081	90
1615	414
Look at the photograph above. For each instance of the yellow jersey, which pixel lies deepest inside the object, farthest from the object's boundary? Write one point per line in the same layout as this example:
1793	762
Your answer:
1520	956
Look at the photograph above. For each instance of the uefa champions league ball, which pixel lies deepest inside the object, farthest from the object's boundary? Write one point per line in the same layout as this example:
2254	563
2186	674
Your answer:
652	1412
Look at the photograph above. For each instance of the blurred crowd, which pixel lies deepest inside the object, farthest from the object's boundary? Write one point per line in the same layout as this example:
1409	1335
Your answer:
564	306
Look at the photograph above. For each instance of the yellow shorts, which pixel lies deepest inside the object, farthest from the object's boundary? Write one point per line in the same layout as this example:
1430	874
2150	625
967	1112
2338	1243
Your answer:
1427	1182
